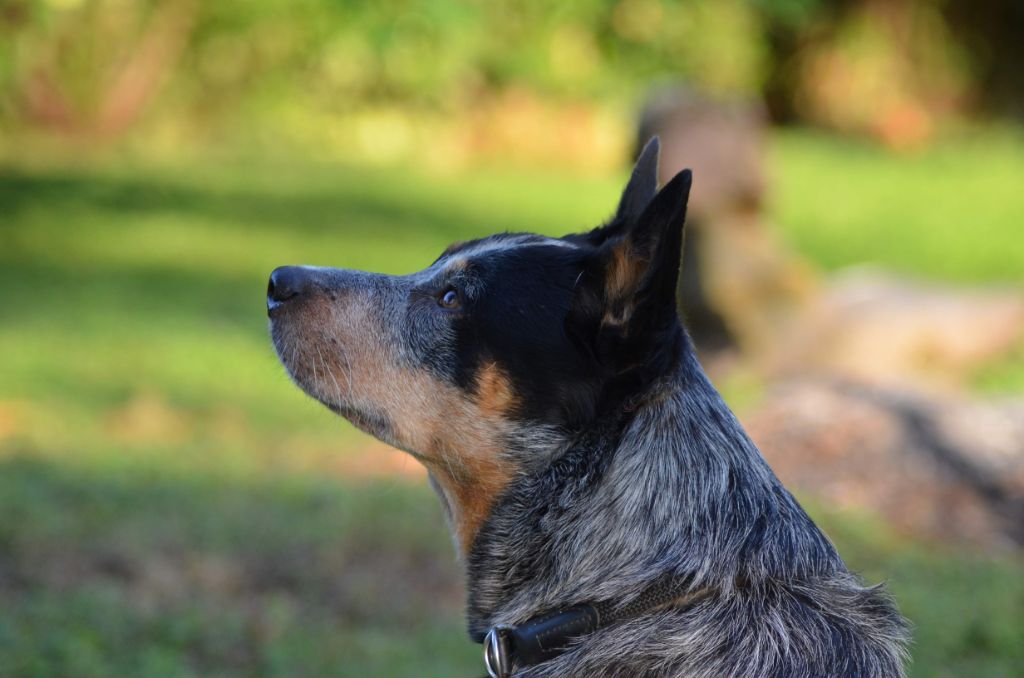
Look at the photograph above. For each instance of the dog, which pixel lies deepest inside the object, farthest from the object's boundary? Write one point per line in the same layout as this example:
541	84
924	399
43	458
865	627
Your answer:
611	514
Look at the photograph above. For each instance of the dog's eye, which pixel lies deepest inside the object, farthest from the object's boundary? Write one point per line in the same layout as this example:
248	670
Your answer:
448	299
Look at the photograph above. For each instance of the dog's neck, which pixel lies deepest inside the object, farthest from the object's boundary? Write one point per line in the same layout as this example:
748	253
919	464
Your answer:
673	486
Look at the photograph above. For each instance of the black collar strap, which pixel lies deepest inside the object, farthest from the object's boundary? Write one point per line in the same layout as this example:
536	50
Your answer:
544	637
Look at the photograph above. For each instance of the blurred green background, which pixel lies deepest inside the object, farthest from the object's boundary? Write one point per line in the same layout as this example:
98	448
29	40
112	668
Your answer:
170	505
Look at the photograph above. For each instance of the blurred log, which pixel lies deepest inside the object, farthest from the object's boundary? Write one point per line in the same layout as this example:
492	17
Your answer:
951	469
878	328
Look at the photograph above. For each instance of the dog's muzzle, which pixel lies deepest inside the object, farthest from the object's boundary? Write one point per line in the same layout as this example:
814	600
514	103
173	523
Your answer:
288	282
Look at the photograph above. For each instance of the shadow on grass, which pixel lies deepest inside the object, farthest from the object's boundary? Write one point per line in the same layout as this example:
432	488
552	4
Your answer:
218	243
360	201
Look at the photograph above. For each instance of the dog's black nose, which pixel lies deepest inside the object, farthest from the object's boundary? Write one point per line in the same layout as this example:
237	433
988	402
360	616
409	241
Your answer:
285	283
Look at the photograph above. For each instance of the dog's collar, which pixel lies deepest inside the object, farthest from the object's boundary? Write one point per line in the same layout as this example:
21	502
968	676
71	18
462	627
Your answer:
546	636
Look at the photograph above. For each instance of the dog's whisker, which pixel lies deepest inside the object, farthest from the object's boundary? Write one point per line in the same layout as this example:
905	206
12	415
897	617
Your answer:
338	396
346	371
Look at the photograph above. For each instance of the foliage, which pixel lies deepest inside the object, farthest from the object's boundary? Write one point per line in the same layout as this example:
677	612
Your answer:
340	54
890	70
334	72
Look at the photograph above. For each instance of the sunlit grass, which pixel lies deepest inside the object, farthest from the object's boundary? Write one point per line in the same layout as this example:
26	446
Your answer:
953	212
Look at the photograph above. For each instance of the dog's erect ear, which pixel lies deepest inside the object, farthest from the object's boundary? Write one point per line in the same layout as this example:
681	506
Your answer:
639	191
626	297
642	186
627	304
641	267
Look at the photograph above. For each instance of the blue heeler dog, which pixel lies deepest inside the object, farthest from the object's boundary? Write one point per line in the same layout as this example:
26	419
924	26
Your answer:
613	517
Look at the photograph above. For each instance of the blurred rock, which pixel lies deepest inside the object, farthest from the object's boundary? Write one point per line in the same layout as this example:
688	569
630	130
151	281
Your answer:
948	469
722	141
879	328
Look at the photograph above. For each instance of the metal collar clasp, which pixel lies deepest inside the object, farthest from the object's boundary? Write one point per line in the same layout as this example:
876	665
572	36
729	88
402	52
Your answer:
497	657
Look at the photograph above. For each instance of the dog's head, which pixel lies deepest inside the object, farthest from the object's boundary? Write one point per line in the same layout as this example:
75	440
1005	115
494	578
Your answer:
483	364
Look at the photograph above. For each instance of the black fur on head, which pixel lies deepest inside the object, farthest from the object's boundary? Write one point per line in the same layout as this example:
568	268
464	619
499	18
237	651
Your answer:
578	323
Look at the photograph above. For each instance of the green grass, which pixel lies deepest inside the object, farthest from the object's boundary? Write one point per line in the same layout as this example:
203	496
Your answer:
143	572
171	505
953	212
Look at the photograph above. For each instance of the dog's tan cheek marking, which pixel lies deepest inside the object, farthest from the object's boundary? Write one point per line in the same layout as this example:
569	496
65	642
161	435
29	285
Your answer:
481	474
464	452
494	394
458	436
459	439
471	492
462	438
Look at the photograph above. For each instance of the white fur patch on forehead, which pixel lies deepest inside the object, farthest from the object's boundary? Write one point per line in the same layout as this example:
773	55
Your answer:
507	244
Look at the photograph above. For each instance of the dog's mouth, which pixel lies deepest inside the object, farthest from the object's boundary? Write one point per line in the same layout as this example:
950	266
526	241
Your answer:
312	367
305	363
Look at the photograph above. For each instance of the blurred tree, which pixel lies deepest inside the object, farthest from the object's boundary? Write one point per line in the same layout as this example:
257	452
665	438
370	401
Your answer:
892	70
90	67
331	69
993	33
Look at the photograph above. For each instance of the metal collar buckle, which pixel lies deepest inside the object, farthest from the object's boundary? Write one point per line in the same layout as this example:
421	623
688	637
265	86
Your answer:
496	652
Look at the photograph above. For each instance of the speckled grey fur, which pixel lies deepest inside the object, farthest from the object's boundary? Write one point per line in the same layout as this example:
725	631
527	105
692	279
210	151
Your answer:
683	490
